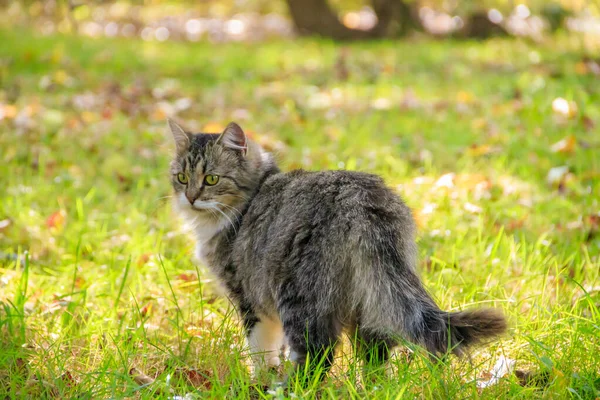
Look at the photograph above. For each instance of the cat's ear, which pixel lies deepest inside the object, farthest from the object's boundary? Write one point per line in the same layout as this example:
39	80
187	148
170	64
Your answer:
234	138
181	137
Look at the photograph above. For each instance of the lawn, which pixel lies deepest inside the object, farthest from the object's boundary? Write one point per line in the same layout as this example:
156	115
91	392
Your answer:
495	146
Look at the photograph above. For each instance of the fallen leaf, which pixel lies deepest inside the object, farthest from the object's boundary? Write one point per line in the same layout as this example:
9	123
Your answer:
79	282
381	103
140	378
566	145
5	223
61	77
67	379
530	378
213	127
145	311
472	208
581	68
410	101
107	113
56	219
446	180
8	111
476	150
557	174
594	220
57	304
143	259
187	277
594	226
465	97
196	378
588	123
515	224
564	107
503	367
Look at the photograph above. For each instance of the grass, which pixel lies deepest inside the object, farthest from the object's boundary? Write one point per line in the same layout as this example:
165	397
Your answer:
100	297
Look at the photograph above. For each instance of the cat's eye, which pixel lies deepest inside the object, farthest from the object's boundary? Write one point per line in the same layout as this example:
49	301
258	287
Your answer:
182	178
211	180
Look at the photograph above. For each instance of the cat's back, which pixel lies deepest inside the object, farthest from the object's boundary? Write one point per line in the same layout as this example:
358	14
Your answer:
320	227
326	196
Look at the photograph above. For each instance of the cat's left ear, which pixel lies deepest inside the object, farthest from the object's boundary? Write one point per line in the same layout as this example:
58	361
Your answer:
181	137
234	138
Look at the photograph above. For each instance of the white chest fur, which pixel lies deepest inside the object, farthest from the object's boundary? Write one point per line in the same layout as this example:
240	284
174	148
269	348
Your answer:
204	232
204	227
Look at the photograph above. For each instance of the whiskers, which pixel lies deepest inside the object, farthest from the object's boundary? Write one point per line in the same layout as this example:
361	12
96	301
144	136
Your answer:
211	215
236	213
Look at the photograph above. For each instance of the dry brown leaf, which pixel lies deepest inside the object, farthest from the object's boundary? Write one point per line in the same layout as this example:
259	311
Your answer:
532	378
476	150
515	224
588	123
139	377
68	379
146	310
198	379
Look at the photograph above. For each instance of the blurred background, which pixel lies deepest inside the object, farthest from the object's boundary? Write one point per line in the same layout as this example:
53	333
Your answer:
251	20
482	115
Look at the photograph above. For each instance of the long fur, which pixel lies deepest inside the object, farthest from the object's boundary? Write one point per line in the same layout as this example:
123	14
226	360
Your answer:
313	253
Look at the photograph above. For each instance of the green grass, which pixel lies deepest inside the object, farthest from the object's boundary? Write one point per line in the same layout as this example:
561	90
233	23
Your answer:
96	276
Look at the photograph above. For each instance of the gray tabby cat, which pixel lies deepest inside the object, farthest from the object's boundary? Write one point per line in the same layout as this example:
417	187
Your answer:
305	255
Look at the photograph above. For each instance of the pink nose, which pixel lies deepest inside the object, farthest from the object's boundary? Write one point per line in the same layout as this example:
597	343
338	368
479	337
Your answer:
191	198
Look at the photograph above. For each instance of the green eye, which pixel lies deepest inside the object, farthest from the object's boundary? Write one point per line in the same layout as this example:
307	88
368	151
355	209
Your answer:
211	179
182	178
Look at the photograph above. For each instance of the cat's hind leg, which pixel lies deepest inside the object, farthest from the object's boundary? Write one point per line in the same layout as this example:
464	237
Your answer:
311	337
265	339
374	349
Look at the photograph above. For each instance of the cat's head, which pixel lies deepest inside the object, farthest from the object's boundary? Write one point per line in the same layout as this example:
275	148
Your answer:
214	175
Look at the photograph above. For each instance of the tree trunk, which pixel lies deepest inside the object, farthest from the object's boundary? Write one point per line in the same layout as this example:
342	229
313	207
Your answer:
479	26
315	17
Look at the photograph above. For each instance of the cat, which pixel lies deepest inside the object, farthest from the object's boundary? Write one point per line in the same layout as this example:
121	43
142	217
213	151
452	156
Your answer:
306	255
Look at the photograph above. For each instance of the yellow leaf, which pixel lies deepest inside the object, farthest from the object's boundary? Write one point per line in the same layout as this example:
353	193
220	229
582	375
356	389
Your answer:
479	123
476	150
8	111
581	68
88	117
213	127
464	97
566	145
61	77
56	219
158	115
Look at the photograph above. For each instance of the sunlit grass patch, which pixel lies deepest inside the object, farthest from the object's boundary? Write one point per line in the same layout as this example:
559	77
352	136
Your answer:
100	296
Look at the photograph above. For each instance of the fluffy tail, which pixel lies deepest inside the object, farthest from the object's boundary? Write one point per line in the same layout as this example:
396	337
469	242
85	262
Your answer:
440	331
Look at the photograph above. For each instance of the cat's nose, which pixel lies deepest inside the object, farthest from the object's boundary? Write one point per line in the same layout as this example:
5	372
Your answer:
191	198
